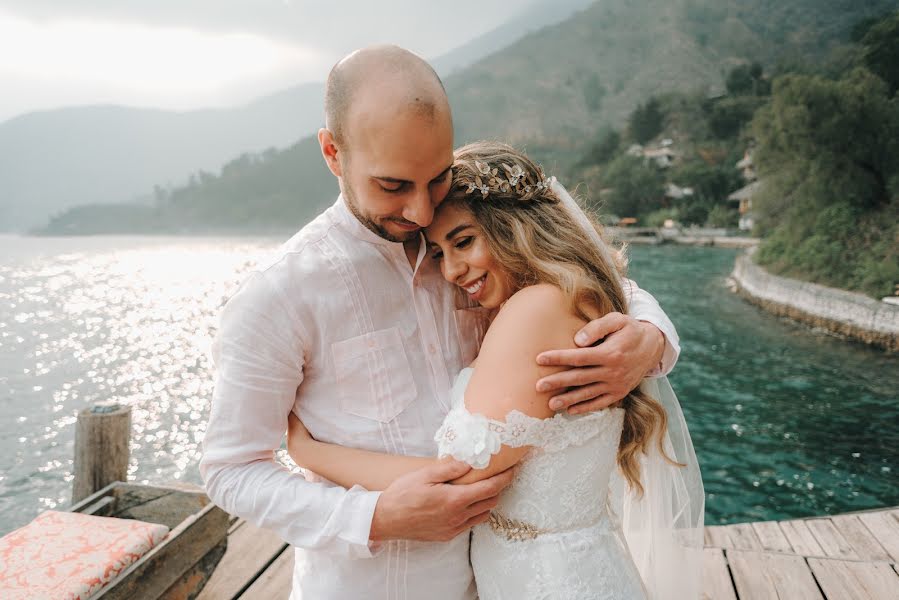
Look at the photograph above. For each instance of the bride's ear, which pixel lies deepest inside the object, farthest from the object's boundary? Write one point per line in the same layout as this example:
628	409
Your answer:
330	151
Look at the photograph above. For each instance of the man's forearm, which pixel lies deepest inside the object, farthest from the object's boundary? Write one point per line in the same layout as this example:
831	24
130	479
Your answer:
304	514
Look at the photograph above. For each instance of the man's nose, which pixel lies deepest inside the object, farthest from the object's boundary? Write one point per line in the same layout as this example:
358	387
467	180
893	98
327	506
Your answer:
420	209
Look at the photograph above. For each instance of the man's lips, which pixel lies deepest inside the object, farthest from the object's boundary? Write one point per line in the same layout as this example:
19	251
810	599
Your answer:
406	225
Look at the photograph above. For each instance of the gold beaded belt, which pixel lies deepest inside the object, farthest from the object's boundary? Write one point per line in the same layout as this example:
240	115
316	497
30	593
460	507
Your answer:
512	529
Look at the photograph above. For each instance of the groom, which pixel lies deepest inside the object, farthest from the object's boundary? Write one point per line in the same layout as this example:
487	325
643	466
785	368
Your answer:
353	327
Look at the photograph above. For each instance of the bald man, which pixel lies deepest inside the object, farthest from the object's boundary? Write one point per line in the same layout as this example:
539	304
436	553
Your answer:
352	328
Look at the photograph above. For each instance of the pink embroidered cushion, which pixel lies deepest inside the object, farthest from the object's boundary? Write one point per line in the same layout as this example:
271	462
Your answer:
70	556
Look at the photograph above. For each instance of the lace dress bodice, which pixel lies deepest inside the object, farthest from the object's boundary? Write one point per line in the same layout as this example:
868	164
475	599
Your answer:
571	458
556	505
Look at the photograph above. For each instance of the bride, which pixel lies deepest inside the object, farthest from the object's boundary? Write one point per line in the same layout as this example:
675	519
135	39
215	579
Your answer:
603	505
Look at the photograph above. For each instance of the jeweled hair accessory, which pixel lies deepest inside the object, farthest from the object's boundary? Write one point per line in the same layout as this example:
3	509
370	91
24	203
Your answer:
489	180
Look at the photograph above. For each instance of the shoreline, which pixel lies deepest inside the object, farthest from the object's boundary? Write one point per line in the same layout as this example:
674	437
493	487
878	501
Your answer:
846	314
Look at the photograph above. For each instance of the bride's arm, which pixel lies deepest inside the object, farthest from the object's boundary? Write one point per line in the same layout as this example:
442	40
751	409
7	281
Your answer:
348	466
533	320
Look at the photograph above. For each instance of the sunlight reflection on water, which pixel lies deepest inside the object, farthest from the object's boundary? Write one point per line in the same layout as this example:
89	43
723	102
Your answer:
127	324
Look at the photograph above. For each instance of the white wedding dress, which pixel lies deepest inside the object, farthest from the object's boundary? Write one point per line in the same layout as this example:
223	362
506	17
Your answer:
553	534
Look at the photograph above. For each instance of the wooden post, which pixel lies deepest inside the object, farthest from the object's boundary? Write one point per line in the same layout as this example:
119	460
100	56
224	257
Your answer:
102	436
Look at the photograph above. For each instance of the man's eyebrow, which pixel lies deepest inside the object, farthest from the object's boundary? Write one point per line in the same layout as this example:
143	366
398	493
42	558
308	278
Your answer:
456	230
391	179
398	180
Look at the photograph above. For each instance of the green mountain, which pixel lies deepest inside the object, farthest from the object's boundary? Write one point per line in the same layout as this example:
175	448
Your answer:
555	89
551	92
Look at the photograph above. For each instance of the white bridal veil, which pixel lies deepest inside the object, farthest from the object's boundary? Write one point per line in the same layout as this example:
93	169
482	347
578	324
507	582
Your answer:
663	529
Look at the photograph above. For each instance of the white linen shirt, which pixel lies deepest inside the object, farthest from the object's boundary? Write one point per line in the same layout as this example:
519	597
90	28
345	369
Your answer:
340	329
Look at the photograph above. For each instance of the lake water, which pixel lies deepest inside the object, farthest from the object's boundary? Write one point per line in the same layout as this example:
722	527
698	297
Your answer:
787	422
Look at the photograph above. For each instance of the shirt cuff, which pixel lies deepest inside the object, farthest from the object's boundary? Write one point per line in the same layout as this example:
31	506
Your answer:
358	530
669	355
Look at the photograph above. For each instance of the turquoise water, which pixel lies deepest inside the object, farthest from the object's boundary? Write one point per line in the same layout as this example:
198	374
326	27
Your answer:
787	422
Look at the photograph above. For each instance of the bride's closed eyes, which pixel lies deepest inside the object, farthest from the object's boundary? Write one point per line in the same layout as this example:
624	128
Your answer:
460	244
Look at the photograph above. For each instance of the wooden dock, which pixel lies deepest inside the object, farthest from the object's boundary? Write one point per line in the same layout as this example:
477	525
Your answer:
851	556
844	557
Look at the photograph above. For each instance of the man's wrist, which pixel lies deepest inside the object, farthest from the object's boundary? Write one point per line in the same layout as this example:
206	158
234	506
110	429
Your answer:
379	531
657	341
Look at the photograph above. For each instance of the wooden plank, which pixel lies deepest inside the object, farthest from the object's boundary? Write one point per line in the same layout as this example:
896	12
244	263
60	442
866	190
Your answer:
743	537
832	541
193	580
716	581
855	580
771	537
802	540
857	535
235	525
186	545
250	550
766	575
276	581
717	535
885	528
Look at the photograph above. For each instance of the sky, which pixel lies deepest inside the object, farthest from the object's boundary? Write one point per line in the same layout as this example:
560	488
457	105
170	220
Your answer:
184	54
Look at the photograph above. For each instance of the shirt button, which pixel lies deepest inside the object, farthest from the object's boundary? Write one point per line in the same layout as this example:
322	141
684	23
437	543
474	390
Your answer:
371	343
432	348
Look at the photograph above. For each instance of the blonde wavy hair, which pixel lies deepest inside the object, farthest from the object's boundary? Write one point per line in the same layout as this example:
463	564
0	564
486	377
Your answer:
536	240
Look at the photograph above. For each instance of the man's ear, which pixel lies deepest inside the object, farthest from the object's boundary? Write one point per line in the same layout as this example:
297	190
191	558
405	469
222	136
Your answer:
329	151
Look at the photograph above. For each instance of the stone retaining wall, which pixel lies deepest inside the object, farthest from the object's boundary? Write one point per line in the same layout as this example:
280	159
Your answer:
845	313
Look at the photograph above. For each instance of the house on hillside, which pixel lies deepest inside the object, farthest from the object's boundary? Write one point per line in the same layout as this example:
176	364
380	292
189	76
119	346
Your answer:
747	169
743	198
663	155
676	192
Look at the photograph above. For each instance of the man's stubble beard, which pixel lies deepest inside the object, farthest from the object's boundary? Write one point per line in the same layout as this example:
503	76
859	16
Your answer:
370	223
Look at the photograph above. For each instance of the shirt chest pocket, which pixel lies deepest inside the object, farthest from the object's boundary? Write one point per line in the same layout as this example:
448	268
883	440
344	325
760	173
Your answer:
373	376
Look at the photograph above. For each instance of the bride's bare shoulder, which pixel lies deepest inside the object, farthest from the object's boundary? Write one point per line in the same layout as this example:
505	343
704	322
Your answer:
542	299
533	320
536	316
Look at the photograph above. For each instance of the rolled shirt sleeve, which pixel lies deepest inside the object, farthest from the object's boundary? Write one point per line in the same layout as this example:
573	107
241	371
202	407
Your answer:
643	307
259	356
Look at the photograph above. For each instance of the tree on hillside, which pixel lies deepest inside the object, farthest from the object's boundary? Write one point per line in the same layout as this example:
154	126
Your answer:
746	80
711	185
881	51
647	121
636	187
606	147
828	152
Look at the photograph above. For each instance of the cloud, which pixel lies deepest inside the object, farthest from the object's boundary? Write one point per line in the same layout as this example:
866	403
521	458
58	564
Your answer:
181	54
331	27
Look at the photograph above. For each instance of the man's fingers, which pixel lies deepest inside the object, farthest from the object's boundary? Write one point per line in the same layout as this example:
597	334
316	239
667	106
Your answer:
487	488
577	395
444	471
599	328
577	357
481	507
477	520
599	403
572	378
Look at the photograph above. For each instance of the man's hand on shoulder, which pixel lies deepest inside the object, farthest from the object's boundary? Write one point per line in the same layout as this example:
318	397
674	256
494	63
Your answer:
423	506
602	373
